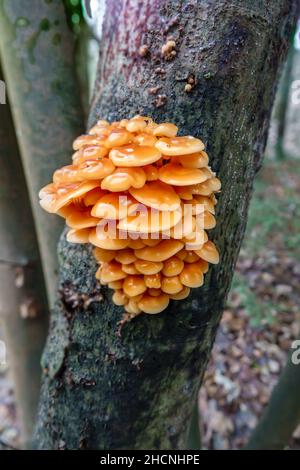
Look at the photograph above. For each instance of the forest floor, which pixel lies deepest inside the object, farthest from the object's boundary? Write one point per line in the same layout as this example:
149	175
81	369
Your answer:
262	315
260	322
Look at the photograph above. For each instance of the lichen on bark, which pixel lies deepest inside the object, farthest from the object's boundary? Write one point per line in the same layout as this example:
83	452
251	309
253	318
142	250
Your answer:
136	389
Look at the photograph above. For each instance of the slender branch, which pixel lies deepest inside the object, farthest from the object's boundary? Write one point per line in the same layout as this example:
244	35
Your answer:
194	437
37	51
23	303
283	100
282	414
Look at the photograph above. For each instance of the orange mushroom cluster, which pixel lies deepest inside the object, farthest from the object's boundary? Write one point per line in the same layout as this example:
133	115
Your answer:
144	198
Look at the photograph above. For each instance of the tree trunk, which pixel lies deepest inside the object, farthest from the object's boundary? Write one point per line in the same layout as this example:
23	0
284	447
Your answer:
283	101
136	390
37	51
282	414
23	303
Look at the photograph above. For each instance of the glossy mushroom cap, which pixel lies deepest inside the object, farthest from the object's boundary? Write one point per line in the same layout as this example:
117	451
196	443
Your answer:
144	198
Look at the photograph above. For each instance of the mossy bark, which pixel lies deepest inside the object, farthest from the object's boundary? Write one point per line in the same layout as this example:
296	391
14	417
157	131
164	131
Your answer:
136	389
23	302
37	52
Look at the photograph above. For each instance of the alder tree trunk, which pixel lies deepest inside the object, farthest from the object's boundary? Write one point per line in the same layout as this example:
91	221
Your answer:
136	390
282	415
23	300
37	54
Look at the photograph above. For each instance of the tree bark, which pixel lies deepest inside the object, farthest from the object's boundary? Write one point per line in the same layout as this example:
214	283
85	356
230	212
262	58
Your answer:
283	101
23	302
37	51
282	415
136	390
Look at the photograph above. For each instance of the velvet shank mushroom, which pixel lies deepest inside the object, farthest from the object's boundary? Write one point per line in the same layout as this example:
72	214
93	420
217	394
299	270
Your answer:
144	198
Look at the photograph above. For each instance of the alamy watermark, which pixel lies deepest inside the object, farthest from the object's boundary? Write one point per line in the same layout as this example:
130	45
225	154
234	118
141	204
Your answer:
295	95
296	354
2	92
3	362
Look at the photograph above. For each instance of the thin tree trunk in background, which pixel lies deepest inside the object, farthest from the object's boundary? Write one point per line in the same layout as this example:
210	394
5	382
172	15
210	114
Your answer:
283	101
23	303
37	51
282	414
137	390
194	437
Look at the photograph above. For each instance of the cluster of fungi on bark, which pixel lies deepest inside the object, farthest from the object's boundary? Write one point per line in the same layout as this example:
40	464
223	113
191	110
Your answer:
137	192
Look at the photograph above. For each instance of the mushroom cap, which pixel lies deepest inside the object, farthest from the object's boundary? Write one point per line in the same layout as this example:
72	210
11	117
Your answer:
172	267
182	254
154	292
78	236
53	197
153	305
134	155
171	285
123	178
85	140
157	195
102	239
151	172
150	221
209	252
191	275
193	160
184	192
179	176
185	226
111	271
66	175
103	255
153	281
118	137
152	241
67	210
93	196
132	308
119	298
95	169
166	129
116	285
207	203
174	146
136	124
134	285
136	244
183	294
148	267
130	269
113	206
81	219
195	241
164	250
191	257
144	139
209	220
93	152
126	256
207	187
